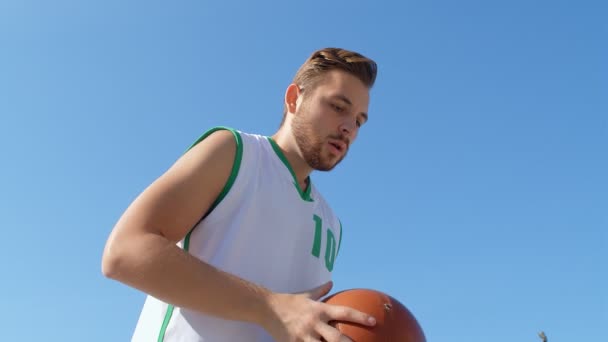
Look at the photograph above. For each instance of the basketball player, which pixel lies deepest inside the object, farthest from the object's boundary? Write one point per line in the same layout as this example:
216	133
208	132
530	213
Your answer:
234	243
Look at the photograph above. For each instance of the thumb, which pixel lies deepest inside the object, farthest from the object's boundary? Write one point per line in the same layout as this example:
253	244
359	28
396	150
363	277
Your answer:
320	291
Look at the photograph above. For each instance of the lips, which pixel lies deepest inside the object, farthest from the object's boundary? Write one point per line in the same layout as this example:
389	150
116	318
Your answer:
339	145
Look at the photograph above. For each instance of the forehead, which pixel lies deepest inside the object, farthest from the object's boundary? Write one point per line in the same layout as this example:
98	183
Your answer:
337	83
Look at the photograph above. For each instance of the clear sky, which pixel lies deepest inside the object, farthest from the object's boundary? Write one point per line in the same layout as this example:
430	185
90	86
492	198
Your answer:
476	194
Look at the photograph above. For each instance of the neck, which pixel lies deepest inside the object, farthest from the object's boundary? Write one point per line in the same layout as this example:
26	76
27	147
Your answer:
288	145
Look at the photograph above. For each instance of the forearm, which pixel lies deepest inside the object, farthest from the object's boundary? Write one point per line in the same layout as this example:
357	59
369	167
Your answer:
158	267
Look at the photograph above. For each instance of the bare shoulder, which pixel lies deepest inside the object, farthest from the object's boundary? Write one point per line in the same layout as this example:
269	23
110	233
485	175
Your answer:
181	196
217	146
207	164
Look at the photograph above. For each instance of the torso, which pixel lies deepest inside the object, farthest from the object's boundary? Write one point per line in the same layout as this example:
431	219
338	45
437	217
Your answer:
264	230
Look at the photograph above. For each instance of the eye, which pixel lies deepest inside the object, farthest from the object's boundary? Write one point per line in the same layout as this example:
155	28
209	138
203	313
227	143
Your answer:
337	108
359	123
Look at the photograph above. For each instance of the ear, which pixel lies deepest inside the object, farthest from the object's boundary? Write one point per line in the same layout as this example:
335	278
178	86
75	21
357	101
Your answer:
291	98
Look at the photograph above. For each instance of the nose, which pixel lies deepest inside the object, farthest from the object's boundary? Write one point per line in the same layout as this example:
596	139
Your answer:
348	129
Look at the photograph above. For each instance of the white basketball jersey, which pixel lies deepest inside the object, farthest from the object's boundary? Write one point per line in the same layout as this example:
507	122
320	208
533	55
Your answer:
262	228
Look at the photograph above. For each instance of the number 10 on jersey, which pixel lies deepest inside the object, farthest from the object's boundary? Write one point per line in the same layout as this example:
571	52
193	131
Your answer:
330	243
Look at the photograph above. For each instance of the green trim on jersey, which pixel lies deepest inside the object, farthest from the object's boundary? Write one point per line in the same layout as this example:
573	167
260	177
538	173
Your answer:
305	195
235	171
163	328
340	239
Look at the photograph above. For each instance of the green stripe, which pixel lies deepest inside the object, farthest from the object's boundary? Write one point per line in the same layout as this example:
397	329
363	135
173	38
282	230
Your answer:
305	195
161	335
235	171
340	239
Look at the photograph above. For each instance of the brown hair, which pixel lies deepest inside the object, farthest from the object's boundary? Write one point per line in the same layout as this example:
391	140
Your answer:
327	59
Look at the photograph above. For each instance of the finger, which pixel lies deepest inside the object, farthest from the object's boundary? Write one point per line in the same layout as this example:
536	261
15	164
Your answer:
344	313
312	339
319	291
331	334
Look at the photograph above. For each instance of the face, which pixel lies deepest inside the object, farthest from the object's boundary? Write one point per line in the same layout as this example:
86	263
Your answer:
328	118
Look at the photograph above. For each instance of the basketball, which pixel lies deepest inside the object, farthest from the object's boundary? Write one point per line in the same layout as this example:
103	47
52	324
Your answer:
394	322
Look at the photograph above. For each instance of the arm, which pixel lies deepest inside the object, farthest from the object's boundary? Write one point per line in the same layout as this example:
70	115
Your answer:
141	252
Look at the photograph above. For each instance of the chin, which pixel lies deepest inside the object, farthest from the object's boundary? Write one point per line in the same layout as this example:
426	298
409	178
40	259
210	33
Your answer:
327	166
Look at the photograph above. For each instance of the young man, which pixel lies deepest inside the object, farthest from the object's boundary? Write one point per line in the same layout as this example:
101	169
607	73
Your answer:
234	242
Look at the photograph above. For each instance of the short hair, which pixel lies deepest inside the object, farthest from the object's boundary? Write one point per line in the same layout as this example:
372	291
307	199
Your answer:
328	59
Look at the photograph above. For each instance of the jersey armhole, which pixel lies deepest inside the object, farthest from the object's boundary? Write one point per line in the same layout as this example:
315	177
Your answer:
231	179
235	170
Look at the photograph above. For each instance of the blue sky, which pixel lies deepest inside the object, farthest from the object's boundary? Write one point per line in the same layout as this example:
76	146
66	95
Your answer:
476	194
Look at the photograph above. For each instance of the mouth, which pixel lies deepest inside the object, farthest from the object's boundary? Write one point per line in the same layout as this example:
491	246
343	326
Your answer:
338	145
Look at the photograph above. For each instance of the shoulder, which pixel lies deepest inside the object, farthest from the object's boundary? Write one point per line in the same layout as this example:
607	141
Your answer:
216	152
223	142
225	135
218	135
227	148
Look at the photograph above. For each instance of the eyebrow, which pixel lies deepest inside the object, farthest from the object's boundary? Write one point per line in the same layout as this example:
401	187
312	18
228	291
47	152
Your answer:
349	102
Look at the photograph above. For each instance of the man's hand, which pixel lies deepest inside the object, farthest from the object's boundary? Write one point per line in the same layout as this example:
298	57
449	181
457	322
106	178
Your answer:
303	318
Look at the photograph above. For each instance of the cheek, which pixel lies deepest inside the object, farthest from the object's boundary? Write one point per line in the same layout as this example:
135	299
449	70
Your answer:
319	118
354	135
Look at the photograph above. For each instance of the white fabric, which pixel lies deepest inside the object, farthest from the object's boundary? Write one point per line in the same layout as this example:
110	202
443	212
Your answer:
263	231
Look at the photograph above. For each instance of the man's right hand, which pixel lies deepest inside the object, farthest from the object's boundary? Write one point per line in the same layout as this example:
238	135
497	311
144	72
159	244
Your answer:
303	318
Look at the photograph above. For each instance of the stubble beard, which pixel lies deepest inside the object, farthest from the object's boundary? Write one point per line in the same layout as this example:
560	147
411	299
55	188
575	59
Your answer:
311	145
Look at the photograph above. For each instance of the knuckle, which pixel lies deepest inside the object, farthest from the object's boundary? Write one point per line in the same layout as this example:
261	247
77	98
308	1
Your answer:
338	311
333	336
358	314
301	331
349	313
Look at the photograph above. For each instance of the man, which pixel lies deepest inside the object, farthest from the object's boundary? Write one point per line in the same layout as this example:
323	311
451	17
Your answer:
234	242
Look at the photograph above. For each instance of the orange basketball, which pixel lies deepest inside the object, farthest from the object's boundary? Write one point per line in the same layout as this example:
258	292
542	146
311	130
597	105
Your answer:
394	322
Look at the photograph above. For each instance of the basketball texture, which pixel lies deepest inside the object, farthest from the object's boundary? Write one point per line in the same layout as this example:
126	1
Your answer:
394	322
